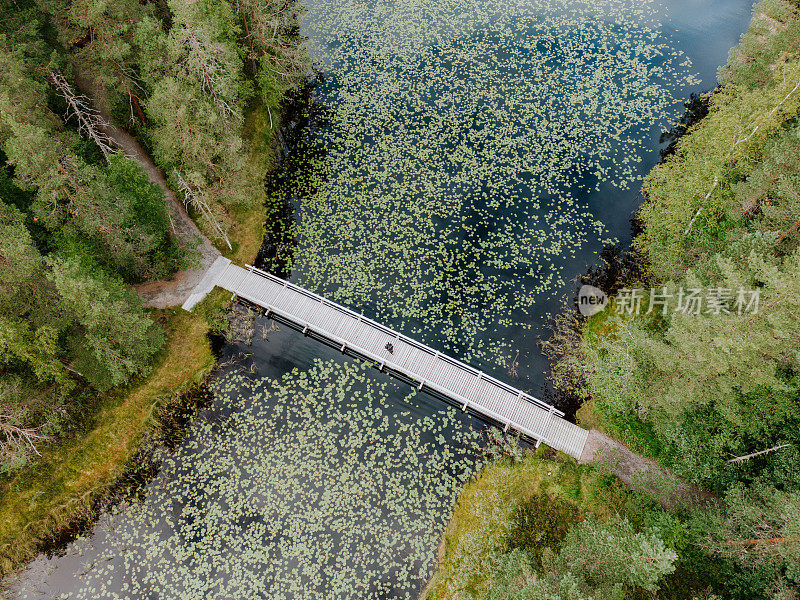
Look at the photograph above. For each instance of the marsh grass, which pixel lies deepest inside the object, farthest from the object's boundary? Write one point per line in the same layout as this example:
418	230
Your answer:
486	516
63	487
318	484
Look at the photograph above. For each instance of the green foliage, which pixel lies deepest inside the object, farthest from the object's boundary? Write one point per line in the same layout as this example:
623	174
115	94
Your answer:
27	302
142	248
515	579
22	347
97	34
760	527
713	386
725	382
90	224
597	560
698	390
197	90
541	522
611	556
113	339
114	206
690	196
59	319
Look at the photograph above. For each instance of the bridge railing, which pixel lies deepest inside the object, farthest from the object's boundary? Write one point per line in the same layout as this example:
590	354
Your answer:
412	342
390	365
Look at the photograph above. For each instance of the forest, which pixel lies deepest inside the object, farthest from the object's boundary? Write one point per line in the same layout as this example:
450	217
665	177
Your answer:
714	393
81	222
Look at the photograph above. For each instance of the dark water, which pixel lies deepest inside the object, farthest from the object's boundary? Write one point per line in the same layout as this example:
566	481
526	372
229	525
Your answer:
394	226
384	261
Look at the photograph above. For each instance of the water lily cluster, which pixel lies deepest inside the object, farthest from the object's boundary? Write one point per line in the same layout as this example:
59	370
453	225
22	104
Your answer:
314	486
463	142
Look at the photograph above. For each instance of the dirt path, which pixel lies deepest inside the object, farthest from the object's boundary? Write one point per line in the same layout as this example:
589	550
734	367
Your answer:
170	292
636	471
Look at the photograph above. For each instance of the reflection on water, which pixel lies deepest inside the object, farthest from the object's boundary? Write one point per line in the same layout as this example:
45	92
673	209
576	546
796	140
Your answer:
471	159
310	477
323	480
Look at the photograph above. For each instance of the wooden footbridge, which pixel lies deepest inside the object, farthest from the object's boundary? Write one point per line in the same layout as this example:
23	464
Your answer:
427	368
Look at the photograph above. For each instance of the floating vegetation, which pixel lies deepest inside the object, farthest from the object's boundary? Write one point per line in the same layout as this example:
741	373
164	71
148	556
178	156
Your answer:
308	487
463	141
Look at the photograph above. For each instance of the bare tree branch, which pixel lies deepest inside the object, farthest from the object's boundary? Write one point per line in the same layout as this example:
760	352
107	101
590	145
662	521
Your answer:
13	437
90	123
210	70
754	454
191	199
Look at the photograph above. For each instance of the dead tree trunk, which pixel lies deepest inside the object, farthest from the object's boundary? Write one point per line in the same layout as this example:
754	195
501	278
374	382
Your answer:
90	123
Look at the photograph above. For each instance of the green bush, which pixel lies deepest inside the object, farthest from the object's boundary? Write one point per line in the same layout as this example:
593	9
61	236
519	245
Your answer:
540	522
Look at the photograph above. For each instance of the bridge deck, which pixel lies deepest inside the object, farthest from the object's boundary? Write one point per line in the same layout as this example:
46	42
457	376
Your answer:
358	335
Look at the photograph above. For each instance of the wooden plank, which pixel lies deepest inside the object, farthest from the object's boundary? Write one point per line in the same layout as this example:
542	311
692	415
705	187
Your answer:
400	354
360	333
452	377
500	401
323	319
266	294
468	381
407	356
376	341
495	399
345	326
532	417
281	297
429	366
483	388
235	280
513	411
225	278
303	308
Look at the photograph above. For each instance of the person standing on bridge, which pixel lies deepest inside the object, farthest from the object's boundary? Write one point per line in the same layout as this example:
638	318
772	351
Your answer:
390	347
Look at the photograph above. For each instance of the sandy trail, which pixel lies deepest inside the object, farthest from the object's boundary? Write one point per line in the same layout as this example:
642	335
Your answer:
636	471
164	293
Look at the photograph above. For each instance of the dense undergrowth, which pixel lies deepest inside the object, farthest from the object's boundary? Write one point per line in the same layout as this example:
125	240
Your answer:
695	386
545	527
720	216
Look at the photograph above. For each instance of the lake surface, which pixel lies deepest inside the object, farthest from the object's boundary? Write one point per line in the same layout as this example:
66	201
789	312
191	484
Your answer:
471	159
475	156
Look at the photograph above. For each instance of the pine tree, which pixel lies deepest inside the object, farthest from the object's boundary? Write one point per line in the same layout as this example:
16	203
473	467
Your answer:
611	556
114	339
760	527
27	303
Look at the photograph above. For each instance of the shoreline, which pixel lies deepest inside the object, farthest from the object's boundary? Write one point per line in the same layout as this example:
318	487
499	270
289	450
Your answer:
47	504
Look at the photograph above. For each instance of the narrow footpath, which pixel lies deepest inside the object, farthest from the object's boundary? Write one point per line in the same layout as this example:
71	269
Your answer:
164	293
669	490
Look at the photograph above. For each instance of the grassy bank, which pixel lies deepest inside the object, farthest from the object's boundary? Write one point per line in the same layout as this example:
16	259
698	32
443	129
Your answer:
60	488
474	540
480	533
